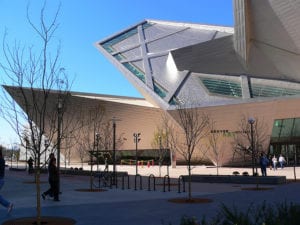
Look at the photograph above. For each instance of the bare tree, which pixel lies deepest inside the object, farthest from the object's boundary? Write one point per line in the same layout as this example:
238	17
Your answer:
32	73
69	143
90	134
193	127
215	140
160	142
243	139
95	138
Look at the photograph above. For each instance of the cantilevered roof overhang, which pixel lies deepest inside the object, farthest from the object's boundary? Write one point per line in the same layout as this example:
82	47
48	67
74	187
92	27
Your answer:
15	94
166	61
266	44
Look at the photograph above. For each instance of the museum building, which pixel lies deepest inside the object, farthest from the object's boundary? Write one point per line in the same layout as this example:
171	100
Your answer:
251	70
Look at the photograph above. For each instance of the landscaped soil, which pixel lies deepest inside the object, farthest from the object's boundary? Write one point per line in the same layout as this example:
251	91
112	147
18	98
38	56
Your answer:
44	221
91	190
191	201
257	189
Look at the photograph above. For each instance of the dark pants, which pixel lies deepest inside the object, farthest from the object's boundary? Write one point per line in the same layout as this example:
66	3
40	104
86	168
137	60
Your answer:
263	170
53	190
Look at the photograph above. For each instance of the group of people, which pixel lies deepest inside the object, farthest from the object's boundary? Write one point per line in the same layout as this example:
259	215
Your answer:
275	161
272	163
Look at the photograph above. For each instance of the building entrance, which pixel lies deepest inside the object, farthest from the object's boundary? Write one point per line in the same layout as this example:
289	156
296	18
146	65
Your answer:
291	152
285	140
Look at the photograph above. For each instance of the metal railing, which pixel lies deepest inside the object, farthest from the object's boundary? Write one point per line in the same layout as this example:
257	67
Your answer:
151	176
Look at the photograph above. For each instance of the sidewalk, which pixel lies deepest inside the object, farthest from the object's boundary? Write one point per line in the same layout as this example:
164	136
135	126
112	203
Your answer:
136	207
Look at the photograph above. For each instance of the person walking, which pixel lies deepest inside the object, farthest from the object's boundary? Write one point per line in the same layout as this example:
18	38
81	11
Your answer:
274	160
263	164
49	191
3	201
53	180
30	165
281	161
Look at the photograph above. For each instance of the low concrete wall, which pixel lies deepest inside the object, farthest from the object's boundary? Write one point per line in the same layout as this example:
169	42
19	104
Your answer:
238	179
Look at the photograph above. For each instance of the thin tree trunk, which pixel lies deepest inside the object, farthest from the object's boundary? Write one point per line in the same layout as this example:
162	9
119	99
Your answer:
190	182
38	194
295	162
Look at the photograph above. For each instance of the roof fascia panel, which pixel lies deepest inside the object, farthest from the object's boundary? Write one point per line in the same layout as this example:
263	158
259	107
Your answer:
196	26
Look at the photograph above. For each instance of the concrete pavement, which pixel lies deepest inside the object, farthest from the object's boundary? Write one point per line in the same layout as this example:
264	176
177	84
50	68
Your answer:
138	207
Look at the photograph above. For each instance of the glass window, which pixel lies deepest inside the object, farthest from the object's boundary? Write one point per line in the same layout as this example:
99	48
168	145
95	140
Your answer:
277	128
222	87
136	71
159	90
119	57
108	45
296	131
287	128
271	91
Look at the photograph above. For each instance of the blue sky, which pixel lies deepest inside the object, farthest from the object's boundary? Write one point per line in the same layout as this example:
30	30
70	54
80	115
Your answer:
83	22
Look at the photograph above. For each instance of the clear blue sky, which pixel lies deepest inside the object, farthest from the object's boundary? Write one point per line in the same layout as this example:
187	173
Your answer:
83	22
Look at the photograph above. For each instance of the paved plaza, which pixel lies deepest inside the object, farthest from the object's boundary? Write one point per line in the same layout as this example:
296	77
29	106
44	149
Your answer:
116	206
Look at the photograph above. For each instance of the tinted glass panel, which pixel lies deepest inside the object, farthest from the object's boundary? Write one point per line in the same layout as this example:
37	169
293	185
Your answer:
269	91
284	128
222	87
108	46
159	90
136	71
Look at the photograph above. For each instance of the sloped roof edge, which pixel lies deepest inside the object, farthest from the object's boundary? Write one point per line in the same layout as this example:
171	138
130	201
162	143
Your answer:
172	23
226	29
104	97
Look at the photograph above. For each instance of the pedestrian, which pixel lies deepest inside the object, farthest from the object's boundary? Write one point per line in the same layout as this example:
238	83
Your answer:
30	165
51	156
270	162
3	201
281	161
106	165
53	180
274	161
263	164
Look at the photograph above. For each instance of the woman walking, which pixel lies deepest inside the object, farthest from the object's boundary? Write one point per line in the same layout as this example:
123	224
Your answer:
53	180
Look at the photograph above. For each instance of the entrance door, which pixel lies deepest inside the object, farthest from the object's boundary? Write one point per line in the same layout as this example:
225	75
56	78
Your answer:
289	151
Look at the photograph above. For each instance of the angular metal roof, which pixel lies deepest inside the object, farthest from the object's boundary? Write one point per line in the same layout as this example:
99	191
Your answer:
170	62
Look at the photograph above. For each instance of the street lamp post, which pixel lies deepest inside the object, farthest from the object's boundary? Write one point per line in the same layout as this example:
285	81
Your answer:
136	141
97	149
160	155
251	121
59	122
26	149
114	150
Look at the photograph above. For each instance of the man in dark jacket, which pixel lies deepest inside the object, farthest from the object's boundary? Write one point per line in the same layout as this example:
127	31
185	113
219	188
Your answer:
264	162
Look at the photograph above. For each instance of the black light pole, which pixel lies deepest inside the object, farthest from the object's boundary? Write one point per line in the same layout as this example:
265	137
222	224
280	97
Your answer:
59	120
26	149
160	155
114	150
97	148
136	141
251	121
